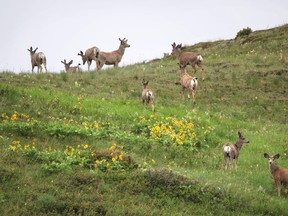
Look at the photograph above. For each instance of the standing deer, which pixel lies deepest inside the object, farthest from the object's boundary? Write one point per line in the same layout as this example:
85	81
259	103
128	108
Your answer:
231	151
188	82
114	57
68	67
90	54
188	58
279	174
37	59
147	95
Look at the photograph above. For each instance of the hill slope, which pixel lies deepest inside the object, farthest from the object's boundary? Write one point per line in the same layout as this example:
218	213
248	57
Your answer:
84	144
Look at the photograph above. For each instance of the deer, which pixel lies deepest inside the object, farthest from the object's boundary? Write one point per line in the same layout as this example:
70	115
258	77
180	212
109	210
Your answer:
147	95
188	58
188	82
37	59
279	174
114	57
68	67
90	54
231	151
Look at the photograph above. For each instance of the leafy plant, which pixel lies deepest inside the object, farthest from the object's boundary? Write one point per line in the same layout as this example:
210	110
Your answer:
244	32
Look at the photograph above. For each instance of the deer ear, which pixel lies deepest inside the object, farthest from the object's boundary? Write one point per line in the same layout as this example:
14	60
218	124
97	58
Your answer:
239	134
71	62
276	156
266	155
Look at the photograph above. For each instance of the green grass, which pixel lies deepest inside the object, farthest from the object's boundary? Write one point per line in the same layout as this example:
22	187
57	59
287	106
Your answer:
43	117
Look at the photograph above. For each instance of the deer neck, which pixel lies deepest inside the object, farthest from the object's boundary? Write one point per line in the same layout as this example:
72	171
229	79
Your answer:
238	145
121	50
273	167
177	54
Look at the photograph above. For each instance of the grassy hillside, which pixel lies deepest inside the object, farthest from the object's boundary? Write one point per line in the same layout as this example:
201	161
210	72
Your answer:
84	144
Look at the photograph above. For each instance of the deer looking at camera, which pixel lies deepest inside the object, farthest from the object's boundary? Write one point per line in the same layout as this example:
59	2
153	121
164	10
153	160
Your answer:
114	57
147	95
188	82
188	58
68	67
279	174
231	151
37	59
90	54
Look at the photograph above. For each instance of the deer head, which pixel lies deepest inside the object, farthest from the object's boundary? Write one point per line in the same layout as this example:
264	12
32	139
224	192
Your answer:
124	42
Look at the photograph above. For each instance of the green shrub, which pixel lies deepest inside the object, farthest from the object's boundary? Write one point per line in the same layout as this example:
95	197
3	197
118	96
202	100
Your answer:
244	32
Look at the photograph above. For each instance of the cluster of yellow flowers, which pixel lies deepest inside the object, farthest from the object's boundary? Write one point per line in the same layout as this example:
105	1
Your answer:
116	157
86	123
78	152
18	146
80	155
15	116
170	130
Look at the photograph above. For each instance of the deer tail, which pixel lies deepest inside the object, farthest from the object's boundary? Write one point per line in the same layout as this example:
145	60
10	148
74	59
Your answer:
200	58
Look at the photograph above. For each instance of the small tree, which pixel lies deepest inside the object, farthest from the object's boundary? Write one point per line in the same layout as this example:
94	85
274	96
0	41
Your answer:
244	32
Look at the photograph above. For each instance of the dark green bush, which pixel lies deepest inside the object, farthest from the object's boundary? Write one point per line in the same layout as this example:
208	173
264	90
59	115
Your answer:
244	32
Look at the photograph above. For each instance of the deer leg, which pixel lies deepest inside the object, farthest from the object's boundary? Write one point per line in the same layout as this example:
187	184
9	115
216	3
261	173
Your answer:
153	105
97	64
193	66
45	67
202	68
182	92
32	69
278	184
193	95
230	161
89	63
226	163
101	64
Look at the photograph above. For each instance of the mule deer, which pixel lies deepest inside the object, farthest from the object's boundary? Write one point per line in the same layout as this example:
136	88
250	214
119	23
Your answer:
37	59
90	54
188	58
231	151
147	95
279	174
114	57
188	82
68	67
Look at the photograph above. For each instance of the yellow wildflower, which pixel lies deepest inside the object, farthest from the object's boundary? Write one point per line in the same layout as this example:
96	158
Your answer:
13	148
